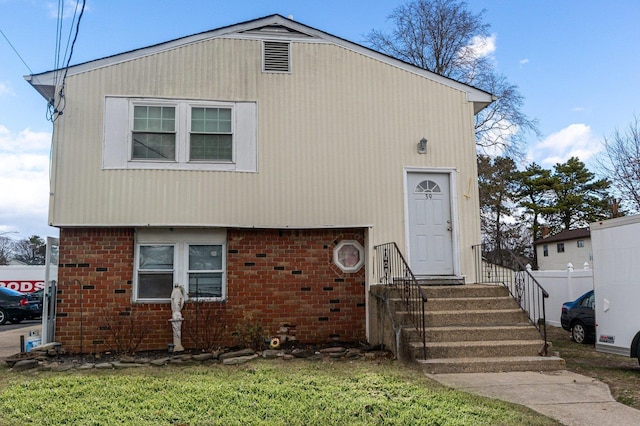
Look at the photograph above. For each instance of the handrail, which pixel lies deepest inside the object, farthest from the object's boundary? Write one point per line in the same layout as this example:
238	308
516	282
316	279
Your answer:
493	267
393	270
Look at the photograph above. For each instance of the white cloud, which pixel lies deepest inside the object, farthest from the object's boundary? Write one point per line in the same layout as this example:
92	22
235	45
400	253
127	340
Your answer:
23	142
24	178
481	47
524	61
5	89
575	140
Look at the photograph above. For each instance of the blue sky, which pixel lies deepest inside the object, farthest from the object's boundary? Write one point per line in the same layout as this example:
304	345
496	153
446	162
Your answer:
575	62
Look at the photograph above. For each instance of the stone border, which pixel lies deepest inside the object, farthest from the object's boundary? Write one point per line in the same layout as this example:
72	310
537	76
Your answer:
47	361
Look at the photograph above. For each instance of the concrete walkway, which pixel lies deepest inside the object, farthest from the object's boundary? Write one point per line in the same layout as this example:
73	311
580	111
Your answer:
570	398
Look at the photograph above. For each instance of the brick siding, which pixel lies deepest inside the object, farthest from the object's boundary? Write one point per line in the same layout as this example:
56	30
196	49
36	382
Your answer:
275	278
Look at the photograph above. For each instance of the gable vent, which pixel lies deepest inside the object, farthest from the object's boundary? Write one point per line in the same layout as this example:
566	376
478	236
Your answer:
276	56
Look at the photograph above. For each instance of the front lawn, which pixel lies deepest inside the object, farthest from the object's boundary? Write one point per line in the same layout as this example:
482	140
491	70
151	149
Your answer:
260	393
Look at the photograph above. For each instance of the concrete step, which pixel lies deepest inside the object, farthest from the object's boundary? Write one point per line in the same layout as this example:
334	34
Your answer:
474	333
459	303
470	303
440	281
491	365
478	349
468	290
487	317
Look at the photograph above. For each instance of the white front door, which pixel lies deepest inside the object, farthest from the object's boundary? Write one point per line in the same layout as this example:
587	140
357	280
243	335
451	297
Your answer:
430	225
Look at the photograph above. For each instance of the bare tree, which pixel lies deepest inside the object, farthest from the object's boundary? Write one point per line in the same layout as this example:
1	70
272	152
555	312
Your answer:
619	161
31	251
444	37
6	250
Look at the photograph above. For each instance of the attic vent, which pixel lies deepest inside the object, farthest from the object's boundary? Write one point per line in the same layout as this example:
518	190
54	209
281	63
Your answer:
276	56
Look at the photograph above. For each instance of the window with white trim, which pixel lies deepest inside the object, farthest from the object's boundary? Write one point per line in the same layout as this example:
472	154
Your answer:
194	259
211	135
156	271
141	133
154	133
205	270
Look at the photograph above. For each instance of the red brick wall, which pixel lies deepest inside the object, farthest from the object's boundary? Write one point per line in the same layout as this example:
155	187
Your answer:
274	277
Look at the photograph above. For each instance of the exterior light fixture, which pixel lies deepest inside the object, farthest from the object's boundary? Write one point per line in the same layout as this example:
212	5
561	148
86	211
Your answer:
422	146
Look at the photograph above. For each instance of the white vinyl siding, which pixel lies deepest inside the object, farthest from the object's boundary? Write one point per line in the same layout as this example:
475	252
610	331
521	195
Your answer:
339	125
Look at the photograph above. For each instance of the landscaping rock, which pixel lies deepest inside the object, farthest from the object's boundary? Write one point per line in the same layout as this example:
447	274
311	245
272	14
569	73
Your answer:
301	353
87	366
121	365
203	357
332	350
272	353
25	364
160	361
127	359
239	360
236	354
353	353
104	366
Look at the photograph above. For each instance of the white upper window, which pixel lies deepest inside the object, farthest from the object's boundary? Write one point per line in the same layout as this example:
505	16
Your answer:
179	134
211	134
154	133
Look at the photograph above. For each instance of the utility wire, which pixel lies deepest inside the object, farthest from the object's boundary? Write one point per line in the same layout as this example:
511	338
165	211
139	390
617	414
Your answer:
16	52
57	109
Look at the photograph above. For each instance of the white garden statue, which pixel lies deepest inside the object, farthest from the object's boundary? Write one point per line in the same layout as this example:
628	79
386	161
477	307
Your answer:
177	302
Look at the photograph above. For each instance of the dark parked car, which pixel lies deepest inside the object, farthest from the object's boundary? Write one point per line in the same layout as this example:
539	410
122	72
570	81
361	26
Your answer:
16	306
579	318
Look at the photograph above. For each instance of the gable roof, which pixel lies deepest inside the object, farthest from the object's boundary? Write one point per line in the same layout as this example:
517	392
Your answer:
566	235
269	27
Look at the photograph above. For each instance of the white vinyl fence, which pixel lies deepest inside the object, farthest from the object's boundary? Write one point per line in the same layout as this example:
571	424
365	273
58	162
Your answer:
563	286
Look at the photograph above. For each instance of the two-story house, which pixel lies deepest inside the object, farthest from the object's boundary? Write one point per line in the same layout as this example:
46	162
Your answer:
256	165
556	251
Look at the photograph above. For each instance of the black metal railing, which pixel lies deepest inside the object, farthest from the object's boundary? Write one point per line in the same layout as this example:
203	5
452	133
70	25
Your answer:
393	270
504	267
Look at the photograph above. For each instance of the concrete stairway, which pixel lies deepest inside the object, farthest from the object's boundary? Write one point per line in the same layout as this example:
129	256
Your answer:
476	328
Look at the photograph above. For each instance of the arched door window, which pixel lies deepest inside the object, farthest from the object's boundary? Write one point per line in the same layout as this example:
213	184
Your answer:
427	187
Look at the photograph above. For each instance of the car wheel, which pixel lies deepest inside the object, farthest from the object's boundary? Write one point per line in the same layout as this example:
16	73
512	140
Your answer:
578	332
3	316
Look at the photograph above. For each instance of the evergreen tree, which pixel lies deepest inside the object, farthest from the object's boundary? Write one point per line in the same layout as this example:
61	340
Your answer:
579	198
497	188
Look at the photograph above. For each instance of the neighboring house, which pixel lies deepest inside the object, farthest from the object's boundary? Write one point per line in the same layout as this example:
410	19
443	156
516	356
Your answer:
257	166
556	251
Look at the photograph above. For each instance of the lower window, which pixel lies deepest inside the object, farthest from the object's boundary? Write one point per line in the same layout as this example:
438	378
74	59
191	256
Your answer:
192	259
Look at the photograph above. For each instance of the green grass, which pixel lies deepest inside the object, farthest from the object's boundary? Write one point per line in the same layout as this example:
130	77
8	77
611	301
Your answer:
260	393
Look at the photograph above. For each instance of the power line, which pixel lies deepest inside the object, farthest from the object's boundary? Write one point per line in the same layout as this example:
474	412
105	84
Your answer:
16	52
57	109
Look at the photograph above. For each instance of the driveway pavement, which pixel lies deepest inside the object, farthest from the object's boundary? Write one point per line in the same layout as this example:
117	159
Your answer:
10	339
570	398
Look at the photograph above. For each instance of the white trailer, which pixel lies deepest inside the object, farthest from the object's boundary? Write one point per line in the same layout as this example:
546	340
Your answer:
23	278
616	283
